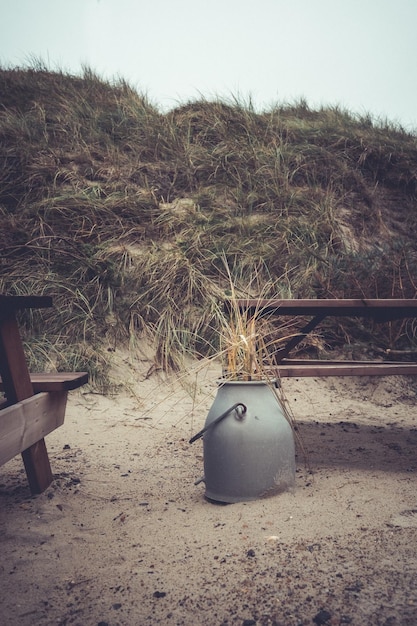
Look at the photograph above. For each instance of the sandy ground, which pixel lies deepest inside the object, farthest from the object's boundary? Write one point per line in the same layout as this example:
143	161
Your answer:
124	537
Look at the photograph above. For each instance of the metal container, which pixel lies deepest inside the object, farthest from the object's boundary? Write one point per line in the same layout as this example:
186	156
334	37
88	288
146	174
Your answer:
248	443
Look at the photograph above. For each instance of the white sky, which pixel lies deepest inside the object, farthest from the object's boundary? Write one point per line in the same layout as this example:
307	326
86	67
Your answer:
359	54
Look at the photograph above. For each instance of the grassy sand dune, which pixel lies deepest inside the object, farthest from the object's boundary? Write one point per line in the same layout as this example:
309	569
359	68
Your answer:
126	215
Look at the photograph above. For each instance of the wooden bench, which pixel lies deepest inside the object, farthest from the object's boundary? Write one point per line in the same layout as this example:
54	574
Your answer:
34	404
379	310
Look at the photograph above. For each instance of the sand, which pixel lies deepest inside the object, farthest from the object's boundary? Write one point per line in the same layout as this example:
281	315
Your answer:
124	537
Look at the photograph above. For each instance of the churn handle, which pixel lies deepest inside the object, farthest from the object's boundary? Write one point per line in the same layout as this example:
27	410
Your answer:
218	419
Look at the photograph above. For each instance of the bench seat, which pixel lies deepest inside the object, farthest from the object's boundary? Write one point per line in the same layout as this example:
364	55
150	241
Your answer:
300	368
56	381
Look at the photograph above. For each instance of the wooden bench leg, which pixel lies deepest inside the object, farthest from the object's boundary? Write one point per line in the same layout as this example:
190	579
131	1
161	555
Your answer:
37	466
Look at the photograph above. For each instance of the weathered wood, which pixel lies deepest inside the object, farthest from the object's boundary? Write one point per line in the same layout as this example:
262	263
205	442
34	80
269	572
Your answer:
37	466
25	423
344	362
10	304
56	381
17	387
27	419
14	371
380	310
305	369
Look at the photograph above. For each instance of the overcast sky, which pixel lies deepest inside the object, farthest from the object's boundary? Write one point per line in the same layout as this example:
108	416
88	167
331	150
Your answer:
359	54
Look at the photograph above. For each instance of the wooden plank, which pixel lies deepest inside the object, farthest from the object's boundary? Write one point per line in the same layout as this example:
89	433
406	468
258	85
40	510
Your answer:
380	310
344	362
56	381
341	369
24	424
13	367
37	466
13	303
